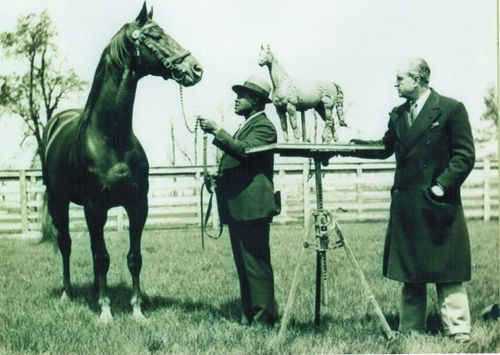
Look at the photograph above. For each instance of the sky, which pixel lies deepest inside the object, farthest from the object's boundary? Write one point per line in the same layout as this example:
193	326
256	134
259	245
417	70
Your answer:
357	44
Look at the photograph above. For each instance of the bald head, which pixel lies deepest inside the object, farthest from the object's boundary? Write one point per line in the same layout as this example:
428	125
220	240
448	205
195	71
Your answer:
413	78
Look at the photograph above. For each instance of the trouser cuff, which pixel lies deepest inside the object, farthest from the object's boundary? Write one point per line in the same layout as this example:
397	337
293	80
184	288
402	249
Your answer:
458	329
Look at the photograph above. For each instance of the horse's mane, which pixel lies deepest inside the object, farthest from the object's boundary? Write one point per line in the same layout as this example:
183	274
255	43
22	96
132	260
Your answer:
115	55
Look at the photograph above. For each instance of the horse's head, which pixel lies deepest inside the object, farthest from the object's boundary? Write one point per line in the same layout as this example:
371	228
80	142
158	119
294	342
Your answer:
156	53
265	55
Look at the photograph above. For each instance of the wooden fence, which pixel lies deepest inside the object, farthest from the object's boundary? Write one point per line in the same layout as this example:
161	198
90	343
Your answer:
361	188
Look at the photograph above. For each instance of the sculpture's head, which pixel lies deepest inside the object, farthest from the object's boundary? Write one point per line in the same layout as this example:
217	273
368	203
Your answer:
265	55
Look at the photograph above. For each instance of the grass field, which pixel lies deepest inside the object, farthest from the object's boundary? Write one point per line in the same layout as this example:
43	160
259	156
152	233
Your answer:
192	298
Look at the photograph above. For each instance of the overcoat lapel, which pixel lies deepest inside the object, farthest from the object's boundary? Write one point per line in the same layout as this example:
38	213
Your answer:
398	116
246	127
429	113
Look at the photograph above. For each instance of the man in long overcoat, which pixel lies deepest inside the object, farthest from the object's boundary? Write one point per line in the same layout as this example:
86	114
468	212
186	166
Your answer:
427	239
245	198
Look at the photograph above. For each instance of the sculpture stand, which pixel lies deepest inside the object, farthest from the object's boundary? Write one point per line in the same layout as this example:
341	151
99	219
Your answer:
324	223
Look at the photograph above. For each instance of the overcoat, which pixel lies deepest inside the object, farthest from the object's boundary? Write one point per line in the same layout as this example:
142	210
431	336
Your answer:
427	239
245	189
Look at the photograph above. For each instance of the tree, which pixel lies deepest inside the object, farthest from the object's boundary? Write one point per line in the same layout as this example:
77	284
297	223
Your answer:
487	129
40	80
490	101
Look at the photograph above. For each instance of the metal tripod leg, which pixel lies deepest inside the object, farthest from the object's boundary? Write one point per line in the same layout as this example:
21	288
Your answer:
378	311
295	282
321	223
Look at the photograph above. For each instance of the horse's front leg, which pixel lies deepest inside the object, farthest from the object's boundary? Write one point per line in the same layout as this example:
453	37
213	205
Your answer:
137	214
292	114
281	111
59	212
96	219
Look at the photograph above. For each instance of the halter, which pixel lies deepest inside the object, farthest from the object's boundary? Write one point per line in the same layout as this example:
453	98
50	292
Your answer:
139	37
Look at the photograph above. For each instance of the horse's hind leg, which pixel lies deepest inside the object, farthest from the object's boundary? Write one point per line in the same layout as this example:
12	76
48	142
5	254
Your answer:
137	214
59	212
329	130
96	219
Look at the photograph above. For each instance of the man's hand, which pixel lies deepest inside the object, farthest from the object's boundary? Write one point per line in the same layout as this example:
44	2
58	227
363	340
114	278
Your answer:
358	141
437	190
210	182
208	125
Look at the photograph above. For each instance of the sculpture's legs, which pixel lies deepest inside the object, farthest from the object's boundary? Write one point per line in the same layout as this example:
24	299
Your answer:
284	126
291	110
329	130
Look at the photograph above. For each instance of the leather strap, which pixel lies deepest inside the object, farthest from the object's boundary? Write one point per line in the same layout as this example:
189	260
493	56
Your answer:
206	216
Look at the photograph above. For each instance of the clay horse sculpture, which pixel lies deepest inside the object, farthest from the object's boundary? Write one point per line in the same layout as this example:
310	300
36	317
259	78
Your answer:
92	157
324	97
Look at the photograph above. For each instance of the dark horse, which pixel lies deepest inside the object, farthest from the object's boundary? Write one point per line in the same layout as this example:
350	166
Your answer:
93	158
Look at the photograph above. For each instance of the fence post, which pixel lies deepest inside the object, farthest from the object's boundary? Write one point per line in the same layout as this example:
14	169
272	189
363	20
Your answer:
486	190
359	202
305	192
119	220
23	200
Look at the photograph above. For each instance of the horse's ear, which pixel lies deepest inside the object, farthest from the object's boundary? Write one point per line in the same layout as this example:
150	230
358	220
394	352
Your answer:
143	15
268	48
261	46
150	15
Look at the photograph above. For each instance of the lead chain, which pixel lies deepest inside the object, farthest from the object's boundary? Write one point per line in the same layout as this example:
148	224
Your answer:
192	131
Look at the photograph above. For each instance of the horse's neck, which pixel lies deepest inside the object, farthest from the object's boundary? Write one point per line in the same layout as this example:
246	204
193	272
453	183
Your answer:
112	112
278	75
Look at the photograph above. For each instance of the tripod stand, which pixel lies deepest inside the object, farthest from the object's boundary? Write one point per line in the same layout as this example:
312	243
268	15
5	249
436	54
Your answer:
323	223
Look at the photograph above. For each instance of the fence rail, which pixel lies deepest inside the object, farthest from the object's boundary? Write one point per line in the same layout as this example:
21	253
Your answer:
361	188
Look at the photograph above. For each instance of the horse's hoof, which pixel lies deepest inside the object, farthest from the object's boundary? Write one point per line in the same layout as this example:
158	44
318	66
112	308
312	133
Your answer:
64	297
105	317
139	317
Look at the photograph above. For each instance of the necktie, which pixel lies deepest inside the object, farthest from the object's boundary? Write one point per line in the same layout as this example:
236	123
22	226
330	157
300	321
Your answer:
412	114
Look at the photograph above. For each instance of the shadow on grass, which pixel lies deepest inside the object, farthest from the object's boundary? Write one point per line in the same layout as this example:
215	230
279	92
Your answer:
434	326
229	310
121	294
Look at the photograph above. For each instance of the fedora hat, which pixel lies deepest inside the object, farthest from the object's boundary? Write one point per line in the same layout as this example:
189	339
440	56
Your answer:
255	85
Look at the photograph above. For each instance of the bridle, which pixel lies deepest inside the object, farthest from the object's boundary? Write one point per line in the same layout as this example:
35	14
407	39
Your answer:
139	37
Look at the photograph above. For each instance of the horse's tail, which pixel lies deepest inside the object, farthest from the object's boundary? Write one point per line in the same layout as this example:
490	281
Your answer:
339	106
49	232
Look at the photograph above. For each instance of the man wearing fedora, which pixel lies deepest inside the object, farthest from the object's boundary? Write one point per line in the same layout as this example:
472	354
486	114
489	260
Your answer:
245	198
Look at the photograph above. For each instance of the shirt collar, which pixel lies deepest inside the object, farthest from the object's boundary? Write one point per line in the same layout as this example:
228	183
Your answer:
423	98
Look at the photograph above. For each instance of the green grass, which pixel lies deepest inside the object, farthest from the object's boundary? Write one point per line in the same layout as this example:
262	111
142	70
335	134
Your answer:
192	298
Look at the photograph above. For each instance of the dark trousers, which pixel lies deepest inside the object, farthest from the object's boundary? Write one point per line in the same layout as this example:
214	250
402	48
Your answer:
252	257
